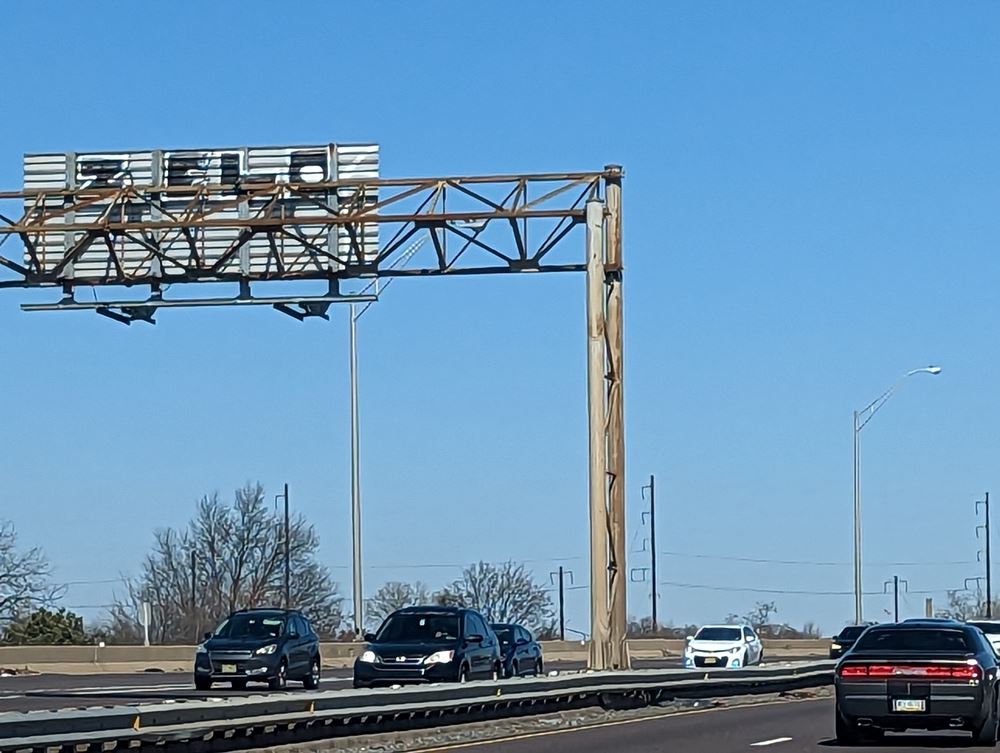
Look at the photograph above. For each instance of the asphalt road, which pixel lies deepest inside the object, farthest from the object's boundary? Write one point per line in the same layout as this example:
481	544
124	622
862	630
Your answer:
51	691
801	727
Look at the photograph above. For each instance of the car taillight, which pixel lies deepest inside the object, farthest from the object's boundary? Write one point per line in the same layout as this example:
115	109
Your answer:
971	671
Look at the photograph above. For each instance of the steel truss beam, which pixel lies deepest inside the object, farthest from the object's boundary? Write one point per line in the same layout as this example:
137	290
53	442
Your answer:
475	225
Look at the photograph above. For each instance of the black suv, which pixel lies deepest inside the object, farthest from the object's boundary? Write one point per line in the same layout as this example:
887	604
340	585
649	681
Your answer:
429	644
845	640
259	645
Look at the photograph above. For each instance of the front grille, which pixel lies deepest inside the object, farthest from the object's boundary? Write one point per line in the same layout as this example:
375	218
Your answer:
402	661
720	661
230	656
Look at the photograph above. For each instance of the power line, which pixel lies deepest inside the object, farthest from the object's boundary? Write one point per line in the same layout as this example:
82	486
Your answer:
814	563
785	591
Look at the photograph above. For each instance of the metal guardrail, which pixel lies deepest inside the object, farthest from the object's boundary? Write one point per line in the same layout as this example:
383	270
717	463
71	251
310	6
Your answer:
269	720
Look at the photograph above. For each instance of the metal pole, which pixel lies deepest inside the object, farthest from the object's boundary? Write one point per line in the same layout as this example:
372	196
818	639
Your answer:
194	596
288	555
615	432
652	544
989	568
562	607
895	595
600	650
858	610
359	617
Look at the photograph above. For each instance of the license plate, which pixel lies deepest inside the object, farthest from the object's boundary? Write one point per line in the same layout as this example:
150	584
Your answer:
909	705
229	669
710	660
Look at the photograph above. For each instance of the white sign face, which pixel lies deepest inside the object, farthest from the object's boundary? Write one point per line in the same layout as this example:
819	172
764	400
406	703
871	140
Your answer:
293	253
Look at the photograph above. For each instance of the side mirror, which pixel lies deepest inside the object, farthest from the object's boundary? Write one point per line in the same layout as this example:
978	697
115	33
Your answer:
208	636
475	638
369	637
689	638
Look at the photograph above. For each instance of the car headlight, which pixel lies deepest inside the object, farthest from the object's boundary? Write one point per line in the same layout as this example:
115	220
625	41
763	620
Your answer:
368	657
736	650
269	649
836	646
201	649
441	657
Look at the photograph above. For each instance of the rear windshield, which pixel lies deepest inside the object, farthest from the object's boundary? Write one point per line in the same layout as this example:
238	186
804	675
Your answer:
410	627
990	628
719	634
931	640
852	632
505	633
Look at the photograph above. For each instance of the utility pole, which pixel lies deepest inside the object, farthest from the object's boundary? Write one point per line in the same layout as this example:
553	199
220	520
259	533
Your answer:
561	575
989	574
288	554
652	543
194	595
895	593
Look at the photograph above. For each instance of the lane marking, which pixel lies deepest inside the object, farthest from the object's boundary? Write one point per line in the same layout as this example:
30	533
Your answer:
605	725
775	741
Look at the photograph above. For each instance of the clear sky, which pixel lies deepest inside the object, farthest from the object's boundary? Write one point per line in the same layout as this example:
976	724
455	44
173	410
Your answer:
810	211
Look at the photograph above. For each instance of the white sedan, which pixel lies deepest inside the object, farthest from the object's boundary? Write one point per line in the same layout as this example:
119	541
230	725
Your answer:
723	646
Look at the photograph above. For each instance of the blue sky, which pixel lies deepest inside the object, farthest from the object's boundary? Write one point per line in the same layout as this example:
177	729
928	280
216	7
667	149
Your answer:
810	210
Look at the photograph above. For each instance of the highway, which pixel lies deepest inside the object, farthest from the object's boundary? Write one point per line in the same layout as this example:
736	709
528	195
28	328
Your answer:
799	727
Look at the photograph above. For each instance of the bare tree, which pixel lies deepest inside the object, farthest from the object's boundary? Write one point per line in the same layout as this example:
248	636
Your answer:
966	605
230	557
503	593
395	595
25	583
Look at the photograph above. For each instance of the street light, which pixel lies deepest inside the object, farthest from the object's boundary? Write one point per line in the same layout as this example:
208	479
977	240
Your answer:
861	419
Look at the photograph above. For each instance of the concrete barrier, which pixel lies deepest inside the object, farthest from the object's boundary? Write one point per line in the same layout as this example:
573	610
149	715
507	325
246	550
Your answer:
124	659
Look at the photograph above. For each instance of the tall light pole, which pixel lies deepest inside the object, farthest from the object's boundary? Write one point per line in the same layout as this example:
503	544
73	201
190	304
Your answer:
861	419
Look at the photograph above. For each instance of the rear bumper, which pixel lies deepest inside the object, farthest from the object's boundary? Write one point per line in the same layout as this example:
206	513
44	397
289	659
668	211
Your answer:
947	705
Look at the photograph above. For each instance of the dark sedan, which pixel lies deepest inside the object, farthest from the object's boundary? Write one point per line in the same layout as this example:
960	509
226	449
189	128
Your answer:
844	641
924	675
522	654
428	645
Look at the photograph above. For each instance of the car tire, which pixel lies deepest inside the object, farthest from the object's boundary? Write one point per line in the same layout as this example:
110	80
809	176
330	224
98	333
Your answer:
239	684
986	734
515	671
358	685
497	672
746	660
463	674
311	680
280	680
847	733
202	683
539	668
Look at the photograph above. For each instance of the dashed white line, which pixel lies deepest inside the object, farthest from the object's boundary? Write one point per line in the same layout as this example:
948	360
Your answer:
775	741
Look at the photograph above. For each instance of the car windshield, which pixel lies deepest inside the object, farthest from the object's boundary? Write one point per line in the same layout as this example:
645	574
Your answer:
852	632
990	628
929	640
414	627
251	626
505	633
718	634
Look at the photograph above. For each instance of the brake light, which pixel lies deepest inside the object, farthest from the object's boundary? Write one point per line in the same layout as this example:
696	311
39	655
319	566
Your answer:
970	671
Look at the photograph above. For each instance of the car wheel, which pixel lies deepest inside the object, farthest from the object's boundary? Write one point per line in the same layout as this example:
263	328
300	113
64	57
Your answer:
539	668
239	684
463	674
280	680
515	671
746	660
358	685
311	681
986	735
497	672
847	733
202	683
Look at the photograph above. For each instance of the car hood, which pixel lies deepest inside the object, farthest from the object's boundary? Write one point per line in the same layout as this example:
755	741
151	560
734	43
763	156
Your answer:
391	650
224	644
715	646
